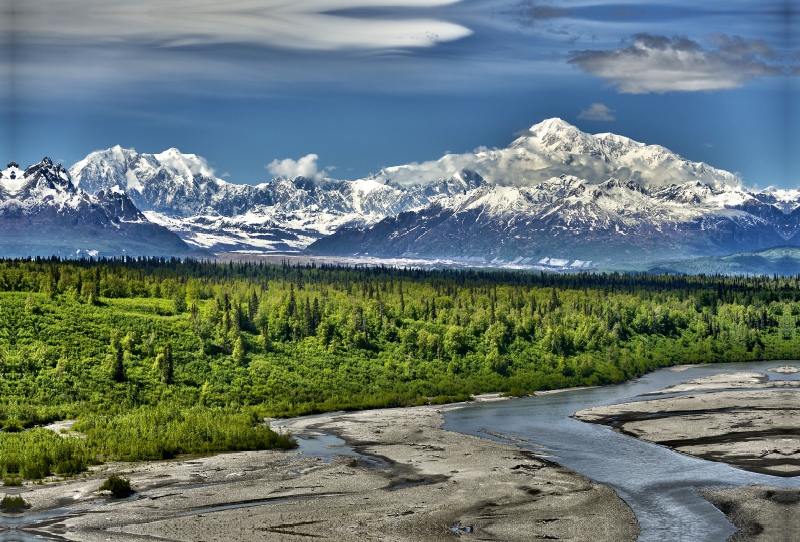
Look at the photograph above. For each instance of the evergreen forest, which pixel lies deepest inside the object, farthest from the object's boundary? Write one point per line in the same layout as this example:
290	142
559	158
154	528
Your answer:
156	358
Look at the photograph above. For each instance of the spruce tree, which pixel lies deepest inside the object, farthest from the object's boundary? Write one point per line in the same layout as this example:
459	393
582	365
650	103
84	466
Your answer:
265	337
308	319
252	307
167	368
119	365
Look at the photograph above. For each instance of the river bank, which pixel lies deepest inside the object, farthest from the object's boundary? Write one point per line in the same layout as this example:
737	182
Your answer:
762	513
412	480
743	419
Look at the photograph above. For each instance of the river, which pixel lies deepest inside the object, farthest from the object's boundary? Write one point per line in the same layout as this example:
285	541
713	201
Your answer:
655	481
658	483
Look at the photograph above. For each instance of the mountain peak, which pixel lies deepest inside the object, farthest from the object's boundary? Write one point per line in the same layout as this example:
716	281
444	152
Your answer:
554	124
557	135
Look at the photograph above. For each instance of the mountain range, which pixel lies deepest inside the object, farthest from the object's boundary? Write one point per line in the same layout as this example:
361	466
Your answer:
556	197
557	193
181	192
42	213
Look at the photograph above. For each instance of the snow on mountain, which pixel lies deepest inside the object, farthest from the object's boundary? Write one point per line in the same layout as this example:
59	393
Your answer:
43	213
553	148
181	192
570	219
559	194
554	193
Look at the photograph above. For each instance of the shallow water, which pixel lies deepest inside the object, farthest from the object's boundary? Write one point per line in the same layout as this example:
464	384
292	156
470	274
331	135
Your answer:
20	537
10	525
656	482
25	527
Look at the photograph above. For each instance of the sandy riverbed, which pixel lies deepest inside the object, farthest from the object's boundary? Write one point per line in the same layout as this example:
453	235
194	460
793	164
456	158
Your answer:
743	419
428	484
756	430
763	514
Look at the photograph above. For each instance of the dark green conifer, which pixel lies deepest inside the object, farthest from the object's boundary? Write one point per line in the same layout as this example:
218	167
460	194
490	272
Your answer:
119	365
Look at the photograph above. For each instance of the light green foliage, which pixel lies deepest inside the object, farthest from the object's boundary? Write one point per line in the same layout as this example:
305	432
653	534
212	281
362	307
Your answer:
296	340
164	431
39	452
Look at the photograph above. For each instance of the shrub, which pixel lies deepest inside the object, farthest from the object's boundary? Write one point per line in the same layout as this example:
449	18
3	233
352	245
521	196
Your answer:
165	431
13	504
118	486
39	452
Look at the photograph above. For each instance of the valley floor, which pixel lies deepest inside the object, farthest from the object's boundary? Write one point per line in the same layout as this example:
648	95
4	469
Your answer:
412	481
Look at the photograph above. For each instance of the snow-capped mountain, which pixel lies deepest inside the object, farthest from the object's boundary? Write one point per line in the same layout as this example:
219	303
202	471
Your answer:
612	200
572	220
555	194
553	148
42	213
181	192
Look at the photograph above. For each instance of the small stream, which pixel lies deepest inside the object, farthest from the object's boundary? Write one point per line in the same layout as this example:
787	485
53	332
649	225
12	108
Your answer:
656	482
22	528
33	527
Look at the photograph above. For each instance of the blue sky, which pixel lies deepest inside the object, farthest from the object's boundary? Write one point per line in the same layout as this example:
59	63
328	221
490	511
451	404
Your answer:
365	84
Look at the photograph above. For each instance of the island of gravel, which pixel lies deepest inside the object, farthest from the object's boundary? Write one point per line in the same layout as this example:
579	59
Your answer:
412	481
743	419
763	514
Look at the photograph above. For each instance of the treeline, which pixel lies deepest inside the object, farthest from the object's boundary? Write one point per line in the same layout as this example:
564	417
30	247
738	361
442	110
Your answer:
117	340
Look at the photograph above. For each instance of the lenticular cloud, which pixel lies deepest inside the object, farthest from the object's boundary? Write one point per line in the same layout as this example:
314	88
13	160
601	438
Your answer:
302	25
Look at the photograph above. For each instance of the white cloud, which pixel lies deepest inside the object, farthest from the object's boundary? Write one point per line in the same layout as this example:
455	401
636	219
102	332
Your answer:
660	64
290	24
598	112
304	167
548	151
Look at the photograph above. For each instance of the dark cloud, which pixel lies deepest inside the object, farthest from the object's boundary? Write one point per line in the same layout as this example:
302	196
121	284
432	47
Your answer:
661	64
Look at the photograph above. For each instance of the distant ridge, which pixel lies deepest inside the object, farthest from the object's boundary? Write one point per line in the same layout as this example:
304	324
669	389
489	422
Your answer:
784	261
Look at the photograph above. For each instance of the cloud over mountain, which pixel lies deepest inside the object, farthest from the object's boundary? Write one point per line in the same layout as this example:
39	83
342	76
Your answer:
598	112
303	167
661	64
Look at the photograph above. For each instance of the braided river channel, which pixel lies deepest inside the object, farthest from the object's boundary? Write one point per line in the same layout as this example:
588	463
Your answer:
656	482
